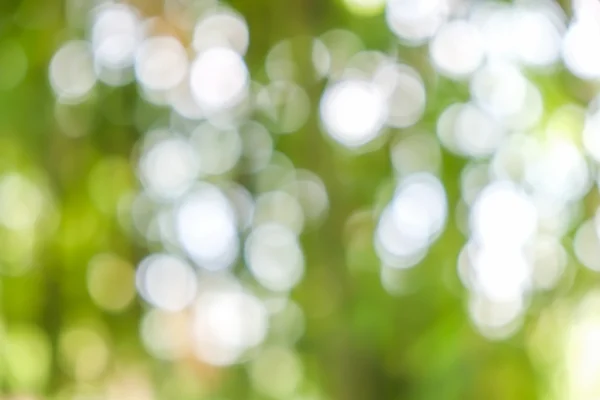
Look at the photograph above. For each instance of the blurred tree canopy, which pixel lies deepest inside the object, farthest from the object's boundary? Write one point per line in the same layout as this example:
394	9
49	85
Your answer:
300	199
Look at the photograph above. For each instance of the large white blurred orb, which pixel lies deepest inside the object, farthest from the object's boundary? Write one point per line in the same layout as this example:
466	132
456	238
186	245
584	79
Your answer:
416	21
558	171
501	274
500	88
420	205
169	167
227	323
467	130
496	320
115	35
398	247
353	112
579	48
166	281
115	31
404	91
412	221
503	215
161	63
219	79
221	28
539	35
71	72
205	223
457	49
274	256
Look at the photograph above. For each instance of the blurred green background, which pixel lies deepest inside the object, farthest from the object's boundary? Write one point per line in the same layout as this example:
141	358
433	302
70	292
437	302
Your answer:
299	199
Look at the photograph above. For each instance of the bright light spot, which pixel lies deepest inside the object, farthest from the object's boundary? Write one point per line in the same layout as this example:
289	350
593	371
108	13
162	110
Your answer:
416	21
586	245
167	282
276	372
226	324
365	7
353	112
219	79
72	73
496	24
457	49
116	33
222	28
274	256
558	171
538	37
579	47
496	319
205	224
414	218
405	94
218	149
169	167
500	88
397	247
420	205
110	281
161	63
509	160
500	274
583	8
503	215
21	202
467	130
477	134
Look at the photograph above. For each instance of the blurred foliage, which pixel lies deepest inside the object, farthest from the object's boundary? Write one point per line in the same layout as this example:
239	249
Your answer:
71	321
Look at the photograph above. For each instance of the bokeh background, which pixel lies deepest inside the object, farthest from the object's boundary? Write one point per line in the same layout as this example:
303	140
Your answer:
299	200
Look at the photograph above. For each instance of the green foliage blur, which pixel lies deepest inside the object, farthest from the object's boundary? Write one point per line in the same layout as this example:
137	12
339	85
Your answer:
72	318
